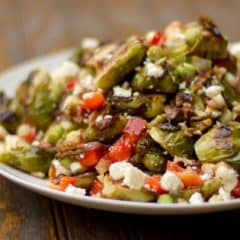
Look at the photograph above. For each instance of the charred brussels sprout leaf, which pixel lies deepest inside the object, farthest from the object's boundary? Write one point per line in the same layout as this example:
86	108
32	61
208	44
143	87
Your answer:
28	159
115	190
154	160
165	84
221	143
94	133
147	105
124	60
175	143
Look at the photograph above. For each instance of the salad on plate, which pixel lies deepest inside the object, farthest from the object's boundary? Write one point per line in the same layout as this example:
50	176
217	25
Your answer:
152	118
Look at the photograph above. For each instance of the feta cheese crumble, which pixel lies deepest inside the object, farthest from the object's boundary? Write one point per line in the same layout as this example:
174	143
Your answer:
171	182
60	169
90	43
75	190
153	70
228	177
77	167
67	69
117	170
224	194
213	91
122	92
132	176
196	198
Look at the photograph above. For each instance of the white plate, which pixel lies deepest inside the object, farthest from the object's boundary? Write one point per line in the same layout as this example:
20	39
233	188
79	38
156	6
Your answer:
8	81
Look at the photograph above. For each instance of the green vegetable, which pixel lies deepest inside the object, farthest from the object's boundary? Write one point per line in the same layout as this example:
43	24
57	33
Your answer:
175	143
165	198
210	187
204	39
106	134
154	160
147	105
117	191
220	143
185	71
28	159
124	60
165	84
85	180
155	52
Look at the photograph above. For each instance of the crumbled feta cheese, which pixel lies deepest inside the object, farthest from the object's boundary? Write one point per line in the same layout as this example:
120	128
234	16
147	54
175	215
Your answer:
77	167
234	48
23	130
228	177
86	80
38	174
182	85
171	182
90	43
60	169
149	35
154	70
75	190
134	178
69	101
117	170
66	124
196	198
231	79
13	141
213	91
35	143
224	194
215	199
122	92
219	100
206	176
67	69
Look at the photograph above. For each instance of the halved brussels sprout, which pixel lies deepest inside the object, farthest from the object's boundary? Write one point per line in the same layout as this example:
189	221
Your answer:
115	190
220	143
124	60
175	143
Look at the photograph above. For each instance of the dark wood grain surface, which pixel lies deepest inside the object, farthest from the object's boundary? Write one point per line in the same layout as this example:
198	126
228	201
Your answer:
30	28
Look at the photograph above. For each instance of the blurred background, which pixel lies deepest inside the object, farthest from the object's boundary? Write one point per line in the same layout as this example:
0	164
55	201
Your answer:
29	28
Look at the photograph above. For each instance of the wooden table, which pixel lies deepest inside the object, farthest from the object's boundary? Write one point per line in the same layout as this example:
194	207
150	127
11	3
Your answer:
31	28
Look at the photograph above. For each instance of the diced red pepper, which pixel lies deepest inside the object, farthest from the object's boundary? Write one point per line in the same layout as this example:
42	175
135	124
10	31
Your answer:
92	101
122	149
71	84
96	187
90	158
153	183
236	191
30	137
135	126
158	39
65	181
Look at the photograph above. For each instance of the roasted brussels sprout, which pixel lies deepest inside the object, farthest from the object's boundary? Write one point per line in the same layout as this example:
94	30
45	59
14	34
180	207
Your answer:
26	158
175	143
85	180
111	131
210	187
165	84
148	105
115	190
220	143
125	59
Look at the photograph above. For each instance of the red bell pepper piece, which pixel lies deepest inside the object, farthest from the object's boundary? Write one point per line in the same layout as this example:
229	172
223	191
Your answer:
92	101
71	84
153	183
158	39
